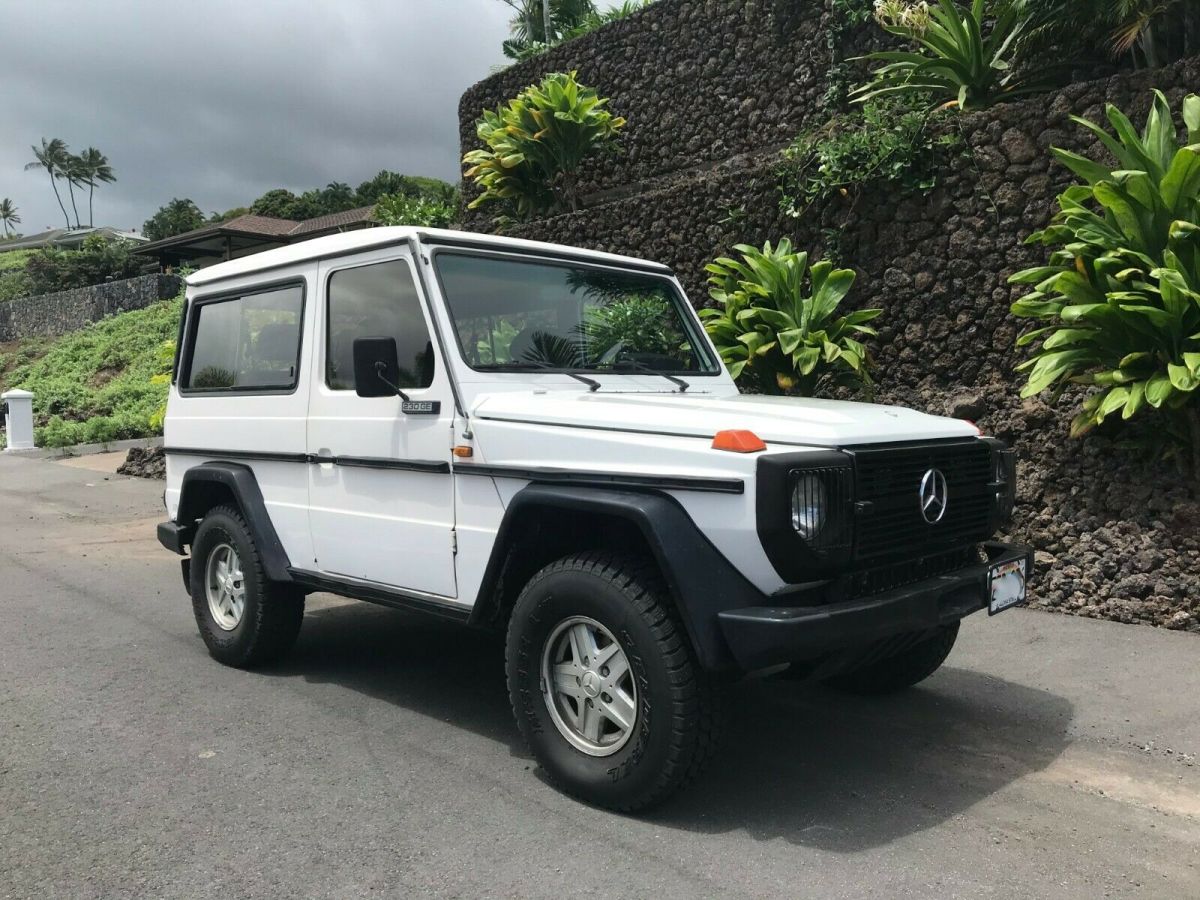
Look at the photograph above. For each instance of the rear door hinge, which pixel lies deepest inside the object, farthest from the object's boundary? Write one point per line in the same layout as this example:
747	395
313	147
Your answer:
454	541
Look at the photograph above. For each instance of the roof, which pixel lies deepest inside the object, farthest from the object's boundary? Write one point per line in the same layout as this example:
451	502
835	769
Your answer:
353	241
265	228
67	237
335	220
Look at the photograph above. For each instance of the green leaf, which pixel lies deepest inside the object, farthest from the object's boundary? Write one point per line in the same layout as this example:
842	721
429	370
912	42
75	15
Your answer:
1158	390
1181	184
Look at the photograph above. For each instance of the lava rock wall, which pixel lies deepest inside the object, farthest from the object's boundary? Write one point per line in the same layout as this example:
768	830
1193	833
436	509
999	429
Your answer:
713	90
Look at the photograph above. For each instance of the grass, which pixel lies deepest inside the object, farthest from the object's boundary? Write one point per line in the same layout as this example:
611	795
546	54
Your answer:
97	384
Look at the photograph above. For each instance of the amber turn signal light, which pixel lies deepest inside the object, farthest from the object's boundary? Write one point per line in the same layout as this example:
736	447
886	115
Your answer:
463	452
738	441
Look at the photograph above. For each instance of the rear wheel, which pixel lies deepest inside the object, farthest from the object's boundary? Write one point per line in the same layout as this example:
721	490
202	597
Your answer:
904	669
245	619
604	684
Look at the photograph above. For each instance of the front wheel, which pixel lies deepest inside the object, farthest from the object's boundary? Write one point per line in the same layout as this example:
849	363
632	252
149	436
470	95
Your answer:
604	684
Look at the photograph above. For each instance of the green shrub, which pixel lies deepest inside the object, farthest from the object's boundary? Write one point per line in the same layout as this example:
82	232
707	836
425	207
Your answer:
887	144
1121	294
536	144
964	58
776	327
96	261
398	209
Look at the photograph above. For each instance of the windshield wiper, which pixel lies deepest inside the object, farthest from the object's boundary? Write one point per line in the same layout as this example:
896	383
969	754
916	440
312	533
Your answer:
639	366
537	365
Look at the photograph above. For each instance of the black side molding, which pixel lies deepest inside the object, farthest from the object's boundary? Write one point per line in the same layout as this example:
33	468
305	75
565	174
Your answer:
434	467
383	595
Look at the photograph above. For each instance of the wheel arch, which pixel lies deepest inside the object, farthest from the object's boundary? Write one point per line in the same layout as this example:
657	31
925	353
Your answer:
545	522
212	484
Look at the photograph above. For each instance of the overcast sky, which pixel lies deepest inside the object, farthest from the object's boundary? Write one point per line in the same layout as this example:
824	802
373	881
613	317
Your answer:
220	100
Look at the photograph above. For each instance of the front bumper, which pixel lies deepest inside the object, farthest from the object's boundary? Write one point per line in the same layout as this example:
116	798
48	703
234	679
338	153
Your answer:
762	636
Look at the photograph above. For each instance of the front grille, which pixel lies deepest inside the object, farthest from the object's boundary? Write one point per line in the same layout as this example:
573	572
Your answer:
888	480
868	582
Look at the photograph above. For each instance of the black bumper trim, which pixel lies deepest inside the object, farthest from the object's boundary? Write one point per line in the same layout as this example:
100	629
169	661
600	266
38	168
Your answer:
175	537
762	636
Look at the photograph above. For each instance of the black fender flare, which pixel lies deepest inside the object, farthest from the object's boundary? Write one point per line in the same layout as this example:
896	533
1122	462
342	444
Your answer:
701	581
239	480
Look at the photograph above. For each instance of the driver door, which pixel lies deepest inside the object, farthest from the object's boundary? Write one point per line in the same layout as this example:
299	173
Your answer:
381	494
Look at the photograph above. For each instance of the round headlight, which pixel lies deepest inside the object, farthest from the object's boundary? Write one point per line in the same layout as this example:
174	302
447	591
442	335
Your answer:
808	505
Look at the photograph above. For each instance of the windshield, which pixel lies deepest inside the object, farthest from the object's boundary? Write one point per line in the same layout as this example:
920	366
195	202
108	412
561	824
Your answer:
519	315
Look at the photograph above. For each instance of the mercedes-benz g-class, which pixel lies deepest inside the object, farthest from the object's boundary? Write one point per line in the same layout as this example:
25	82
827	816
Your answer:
543	440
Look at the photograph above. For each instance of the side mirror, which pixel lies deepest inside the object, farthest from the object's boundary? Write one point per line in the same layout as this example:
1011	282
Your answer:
376	367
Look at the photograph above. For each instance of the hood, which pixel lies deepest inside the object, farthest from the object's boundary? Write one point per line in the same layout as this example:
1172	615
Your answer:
785	420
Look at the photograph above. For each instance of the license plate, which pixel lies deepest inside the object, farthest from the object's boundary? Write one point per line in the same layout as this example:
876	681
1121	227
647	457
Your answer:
1006	586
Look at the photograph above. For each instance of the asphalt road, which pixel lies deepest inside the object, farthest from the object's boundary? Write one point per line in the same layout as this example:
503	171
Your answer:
1051	757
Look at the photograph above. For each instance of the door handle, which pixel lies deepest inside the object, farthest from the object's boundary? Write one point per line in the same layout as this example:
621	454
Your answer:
325	457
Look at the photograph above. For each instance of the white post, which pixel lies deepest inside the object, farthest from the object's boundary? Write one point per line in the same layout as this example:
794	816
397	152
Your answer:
18	419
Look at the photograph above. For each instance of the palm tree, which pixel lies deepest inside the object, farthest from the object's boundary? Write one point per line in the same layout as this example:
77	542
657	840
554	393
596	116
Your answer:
72	173
53	158
543	22
8	214
96	169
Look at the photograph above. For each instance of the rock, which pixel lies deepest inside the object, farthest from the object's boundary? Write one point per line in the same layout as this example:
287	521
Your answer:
144	462
967	406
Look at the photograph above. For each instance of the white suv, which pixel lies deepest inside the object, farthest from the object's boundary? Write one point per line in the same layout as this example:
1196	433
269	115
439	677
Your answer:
543	440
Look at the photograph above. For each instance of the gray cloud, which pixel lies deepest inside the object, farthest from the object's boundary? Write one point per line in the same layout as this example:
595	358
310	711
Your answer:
221	100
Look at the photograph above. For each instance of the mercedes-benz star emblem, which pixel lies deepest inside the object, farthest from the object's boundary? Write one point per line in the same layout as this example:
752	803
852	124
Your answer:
934	495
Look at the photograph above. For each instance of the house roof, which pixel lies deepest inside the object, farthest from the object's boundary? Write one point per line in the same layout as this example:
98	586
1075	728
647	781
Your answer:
66	237
249	231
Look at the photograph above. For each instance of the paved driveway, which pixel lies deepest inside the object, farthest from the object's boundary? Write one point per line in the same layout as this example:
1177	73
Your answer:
1051	757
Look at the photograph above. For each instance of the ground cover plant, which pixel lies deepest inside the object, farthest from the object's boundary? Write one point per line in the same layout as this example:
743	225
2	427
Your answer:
101	383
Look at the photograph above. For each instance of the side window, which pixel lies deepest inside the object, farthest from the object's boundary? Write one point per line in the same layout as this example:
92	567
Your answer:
379	300
250	342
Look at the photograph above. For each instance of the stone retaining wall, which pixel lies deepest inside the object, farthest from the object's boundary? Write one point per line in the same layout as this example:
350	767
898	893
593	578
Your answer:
1118	537
65	311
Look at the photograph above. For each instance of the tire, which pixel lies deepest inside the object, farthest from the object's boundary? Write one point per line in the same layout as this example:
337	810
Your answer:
906	668
677	709
268	622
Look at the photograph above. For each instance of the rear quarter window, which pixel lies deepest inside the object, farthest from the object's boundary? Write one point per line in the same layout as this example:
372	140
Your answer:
249	342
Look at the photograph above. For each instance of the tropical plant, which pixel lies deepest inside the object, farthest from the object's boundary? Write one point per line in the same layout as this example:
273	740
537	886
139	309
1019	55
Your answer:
98	259
1120	297
633	324
52	156
964	58
94	169
74	175
776	326
174	218
399	209
538	24
1150	32
535	145
8	214
599	18
888	141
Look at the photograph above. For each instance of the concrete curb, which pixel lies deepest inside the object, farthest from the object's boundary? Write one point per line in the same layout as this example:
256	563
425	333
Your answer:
84	449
